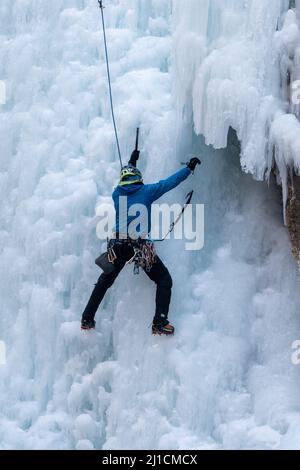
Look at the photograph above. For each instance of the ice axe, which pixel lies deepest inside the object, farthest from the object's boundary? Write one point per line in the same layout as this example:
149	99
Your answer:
136	153
137	139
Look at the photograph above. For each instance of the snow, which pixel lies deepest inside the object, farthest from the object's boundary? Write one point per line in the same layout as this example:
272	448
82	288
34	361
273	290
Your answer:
226	380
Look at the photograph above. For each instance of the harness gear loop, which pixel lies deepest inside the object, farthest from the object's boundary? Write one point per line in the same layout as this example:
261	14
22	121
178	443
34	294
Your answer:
111	254
144	253
144	256
101	6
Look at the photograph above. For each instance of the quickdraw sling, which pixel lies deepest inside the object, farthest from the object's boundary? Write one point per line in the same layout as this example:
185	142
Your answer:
144	253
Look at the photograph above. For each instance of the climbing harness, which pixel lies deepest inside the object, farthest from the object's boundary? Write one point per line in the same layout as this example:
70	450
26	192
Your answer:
144	253
111	255
188	200
144	256
101	6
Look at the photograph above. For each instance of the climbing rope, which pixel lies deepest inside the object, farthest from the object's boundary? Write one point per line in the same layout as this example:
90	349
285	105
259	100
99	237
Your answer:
109	82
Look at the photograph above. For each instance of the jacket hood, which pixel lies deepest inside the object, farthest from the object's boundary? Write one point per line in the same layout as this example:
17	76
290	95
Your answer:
127	190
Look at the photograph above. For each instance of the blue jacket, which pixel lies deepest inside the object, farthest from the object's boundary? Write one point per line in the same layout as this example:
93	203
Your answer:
145	195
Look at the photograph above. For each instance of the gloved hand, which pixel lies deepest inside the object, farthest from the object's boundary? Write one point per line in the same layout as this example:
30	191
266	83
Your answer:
193	163
134	157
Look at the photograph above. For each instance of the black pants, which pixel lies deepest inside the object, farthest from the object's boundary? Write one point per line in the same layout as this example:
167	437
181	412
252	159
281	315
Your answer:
158	274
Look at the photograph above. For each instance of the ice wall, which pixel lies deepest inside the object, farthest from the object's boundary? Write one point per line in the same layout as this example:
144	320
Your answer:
243	60
58	161
226	380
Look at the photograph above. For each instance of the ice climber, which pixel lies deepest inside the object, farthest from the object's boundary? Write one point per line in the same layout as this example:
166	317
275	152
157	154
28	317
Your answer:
125	247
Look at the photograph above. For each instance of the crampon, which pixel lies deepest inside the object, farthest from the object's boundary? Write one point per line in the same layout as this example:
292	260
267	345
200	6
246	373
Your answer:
167	330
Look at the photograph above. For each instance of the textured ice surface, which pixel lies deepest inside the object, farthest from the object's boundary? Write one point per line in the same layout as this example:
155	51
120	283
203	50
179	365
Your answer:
244	57
226	379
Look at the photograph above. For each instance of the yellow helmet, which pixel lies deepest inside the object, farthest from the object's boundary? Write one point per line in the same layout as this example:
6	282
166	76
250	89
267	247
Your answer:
130	175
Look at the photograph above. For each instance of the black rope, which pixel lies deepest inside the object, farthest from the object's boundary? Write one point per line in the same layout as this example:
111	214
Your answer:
109	82
189	198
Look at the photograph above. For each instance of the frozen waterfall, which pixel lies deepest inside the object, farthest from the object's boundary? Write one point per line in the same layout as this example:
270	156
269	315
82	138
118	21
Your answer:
189	76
